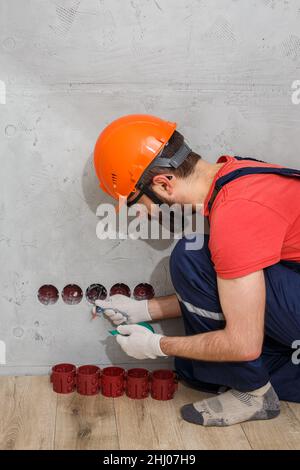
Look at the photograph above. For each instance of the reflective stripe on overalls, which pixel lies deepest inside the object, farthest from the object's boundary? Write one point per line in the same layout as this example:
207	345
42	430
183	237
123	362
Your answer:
195	282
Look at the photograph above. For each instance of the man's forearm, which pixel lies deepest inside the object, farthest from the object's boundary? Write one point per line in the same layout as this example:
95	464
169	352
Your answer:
219	346
161	308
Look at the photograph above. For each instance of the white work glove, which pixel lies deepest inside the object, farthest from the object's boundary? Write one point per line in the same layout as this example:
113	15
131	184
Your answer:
140	343
120	308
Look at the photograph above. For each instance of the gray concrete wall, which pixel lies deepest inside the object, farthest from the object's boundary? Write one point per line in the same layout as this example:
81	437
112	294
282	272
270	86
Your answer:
223	69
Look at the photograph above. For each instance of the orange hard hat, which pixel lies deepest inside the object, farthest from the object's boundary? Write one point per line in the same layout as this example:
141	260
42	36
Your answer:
127	147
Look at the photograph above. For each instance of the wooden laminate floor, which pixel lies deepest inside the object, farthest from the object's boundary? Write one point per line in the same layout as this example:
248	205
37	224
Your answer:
33	417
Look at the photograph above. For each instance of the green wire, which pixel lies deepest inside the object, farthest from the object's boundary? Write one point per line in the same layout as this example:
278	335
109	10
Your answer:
143	323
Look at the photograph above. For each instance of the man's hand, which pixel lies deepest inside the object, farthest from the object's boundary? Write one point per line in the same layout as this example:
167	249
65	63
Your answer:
120	308
140	342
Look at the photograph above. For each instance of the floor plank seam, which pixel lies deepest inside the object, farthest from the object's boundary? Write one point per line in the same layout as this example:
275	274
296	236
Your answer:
245	434
116	423
54	437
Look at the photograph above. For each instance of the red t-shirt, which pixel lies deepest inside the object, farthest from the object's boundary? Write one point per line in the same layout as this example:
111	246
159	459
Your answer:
254	221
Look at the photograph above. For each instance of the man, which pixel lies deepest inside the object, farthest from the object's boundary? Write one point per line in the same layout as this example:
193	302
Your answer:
239	295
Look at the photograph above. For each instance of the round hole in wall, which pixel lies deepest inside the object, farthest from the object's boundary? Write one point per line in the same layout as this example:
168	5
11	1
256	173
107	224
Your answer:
72	294
143	291
48	294
9	43
95	292
10	130
18	332
120	289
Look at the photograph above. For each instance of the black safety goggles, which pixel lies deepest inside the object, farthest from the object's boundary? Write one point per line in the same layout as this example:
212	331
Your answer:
148	192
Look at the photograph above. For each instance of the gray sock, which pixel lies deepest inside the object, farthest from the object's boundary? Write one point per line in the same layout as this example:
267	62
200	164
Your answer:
233	407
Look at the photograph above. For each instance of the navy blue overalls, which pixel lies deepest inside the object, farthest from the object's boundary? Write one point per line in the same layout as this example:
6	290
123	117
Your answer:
195	282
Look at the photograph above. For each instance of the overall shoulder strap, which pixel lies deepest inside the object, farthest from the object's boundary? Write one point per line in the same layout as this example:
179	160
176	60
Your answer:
255	171
233	175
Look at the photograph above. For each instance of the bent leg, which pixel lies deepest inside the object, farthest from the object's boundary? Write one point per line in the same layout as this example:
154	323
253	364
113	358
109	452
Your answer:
195	282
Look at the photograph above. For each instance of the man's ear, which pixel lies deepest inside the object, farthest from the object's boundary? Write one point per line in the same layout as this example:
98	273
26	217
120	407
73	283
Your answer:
163	183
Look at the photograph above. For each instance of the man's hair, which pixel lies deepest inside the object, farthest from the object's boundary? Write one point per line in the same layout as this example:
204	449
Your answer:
184	170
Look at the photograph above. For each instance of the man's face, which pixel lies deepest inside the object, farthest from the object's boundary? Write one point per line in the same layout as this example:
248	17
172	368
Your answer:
157	212
146	202
166	189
